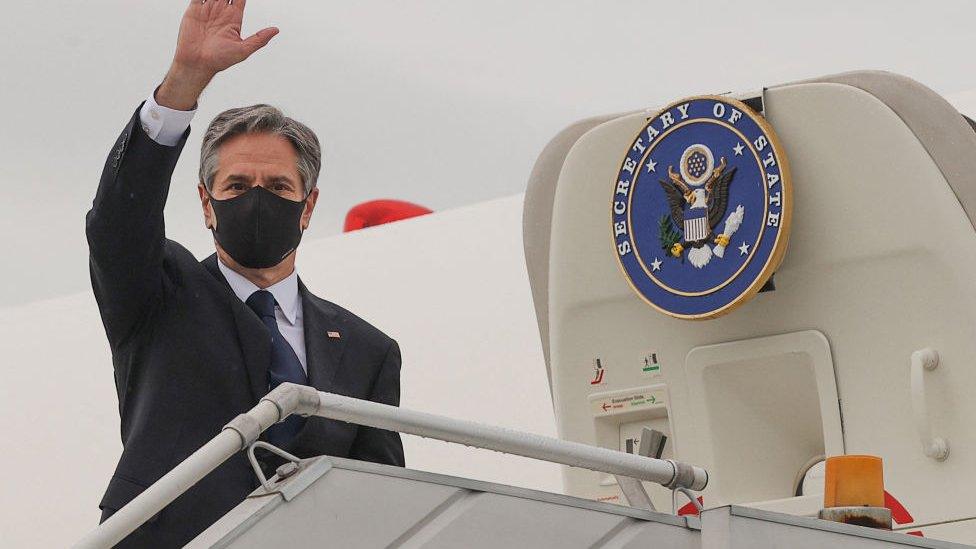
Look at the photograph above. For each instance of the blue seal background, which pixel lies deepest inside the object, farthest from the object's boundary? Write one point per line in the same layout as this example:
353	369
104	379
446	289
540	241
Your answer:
648	203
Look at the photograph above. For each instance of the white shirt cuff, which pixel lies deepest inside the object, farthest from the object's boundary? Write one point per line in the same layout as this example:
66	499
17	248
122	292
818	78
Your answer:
163	124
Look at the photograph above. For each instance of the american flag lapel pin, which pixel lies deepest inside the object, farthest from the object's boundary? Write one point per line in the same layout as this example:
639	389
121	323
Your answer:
333	335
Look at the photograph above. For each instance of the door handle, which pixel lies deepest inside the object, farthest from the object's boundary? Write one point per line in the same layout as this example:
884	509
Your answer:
925	360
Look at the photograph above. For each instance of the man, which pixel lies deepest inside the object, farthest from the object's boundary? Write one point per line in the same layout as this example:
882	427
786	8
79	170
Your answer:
196	343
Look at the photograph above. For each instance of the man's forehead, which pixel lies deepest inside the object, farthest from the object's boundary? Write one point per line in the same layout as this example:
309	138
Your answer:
257	147
248	156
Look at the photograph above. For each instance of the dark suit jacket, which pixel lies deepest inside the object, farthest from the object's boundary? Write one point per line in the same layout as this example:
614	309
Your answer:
189	355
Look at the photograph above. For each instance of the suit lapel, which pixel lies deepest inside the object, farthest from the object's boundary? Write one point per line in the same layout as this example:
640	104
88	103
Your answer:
252	334
323	354
323	359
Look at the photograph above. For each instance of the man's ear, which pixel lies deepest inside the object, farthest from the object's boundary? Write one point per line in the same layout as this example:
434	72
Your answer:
309	207
209	218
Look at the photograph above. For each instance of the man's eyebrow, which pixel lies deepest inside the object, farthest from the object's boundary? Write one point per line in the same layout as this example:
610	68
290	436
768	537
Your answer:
239	177
279	179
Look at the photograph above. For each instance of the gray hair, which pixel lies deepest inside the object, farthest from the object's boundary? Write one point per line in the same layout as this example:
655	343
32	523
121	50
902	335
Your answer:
261	119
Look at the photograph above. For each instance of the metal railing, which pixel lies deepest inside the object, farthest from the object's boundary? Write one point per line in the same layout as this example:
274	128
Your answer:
289	399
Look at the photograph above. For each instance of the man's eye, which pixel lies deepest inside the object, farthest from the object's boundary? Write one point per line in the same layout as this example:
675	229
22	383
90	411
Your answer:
236	186
280	187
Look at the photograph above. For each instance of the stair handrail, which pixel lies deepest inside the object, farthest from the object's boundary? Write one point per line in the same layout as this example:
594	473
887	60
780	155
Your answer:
289	398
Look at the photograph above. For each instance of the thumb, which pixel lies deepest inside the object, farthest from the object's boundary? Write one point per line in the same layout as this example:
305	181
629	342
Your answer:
259	39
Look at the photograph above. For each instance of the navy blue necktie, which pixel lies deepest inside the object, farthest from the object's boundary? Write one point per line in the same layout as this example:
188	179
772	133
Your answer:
285	366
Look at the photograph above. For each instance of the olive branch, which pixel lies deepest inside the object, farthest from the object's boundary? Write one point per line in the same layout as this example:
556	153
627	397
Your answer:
668	234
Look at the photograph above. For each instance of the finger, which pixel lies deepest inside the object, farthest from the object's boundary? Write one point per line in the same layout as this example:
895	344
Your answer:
226	9
259	39
236	5
228	12
193	9
239	6
203	6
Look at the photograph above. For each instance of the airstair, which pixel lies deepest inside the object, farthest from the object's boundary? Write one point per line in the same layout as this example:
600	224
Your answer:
366	505
333	502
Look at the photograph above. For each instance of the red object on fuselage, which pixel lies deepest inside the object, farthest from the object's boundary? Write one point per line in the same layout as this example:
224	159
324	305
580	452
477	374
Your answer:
379	212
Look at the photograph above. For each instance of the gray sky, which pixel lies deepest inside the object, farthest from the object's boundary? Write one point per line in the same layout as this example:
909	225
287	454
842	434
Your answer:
443	103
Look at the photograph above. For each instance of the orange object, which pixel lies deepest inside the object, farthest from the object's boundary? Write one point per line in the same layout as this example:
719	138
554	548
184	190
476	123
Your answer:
854	481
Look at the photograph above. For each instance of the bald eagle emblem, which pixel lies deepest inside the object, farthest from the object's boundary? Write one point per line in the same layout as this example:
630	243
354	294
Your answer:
698	197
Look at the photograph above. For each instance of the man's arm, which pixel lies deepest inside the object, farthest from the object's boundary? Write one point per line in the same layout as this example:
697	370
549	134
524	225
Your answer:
125	229
380	445
125	224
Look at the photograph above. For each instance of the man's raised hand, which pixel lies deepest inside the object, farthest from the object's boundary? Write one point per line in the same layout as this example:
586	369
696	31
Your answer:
209	42
210	36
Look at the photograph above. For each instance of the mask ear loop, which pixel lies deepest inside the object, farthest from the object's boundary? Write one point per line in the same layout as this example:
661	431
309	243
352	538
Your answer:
213	228
303	201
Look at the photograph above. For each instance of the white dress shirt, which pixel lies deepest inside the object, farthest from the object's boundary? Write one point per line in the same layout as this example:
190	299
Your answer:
165	126
288	309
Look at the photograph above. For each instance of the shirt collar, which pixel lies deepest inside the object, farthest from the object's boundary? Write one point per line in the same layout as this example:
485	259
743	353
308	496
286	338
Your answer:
285	291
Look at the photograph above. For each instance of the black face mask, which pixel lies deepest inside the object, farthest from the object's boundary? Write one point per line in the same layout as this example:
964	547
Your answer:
258	228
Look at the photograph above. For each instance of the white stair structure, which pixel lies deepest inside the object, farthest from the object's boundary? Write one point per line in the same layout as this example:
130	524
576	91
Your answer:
365	505
881	264
333	502
421	509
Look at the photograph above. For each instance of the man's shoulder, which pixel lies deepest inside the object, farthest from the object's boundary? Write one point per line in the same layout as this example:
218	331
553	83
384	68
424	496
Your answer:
182	268
177	257
178	251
